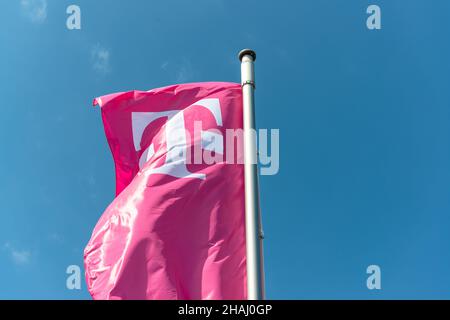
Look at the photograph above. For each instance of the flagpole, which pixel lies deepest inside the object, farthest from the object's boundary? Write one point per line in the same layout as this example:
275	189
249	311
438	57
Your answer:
253	229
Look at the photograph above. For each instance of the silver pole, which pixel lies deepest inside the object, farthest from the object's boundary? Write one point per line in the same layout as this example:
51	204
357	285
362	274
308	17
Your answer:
253	230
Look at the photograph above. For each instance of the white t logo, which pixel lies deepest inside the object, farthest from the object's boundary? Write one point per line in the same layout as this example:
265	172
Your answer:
175	132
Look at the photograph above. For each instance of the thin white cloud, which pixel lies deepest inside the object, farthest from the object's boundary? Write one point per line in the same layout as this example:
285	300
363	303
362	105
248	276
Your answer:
19	257
179	71
35	10
91	180
56	237
164	65
185	71
100	59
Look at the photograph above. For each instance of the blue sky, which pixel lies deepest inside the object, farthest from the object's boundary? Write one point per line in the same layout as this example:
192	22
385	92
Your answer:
364	119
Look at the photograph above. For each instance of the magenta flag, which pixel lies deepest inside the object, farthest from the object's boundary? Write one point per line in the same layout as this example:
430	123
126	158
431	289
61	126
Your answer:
176	229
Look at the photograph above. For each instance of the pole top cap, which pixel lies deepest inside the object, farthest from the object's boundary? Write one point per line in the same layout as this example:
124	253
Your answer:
245	52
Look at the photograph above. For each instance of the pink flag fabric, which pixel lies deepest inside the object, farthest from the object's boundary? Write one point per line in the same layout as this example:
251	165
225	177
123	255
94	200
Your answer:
176	227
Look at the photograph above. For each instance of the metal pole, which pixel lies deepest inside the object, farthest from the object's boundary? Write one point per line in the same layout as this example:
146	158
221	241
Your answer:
253	230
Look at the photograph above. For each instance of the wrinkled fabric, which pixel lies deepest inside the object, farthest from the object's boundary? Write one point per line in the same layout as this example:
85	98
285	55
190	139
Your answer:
165	236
